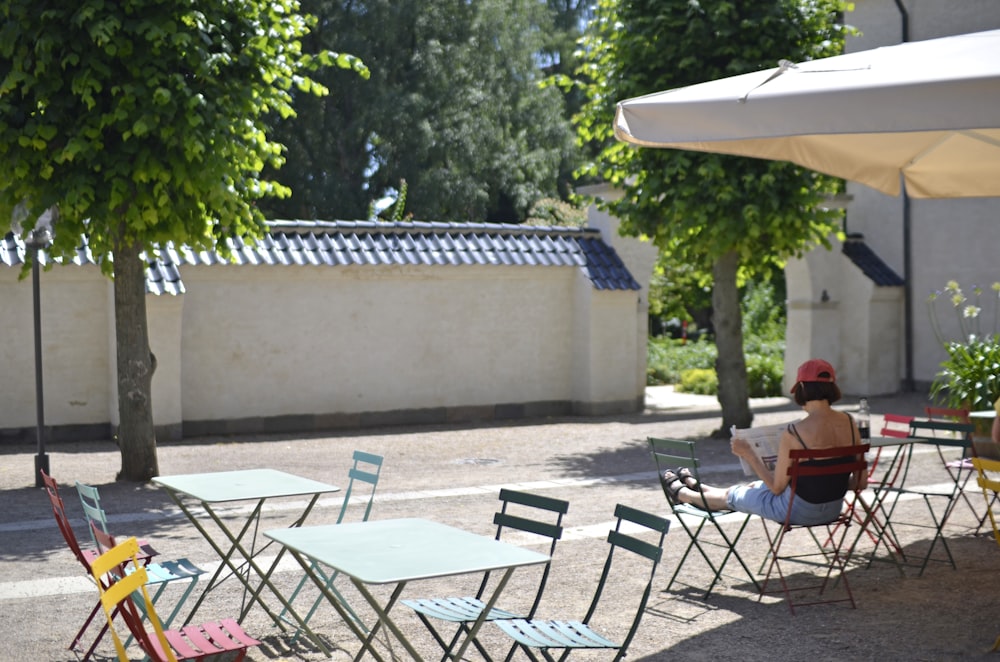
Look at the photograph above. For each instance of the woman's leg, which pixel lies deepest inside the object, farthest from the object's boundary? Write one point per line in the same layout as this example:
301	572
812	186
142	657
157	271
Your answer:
713	497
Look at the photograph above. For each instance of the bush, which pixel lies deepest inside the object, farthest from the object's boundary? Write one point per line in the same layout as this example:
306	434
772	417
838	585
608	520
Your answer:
668	358
700	381
764	374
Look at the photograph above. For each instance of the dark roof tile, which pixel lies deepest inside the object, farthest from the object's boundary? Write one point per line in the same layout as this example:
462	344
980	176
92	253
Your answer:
342	243
880	273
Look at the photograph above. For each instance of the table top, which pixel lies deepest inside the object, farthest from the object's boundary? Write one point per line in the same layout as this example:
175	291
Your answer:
397	550
984	413
242	485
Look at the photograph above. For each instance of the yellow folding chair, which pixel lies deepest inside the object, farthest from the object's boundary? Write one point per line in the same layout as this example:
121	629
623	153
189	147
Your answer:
988	472
117	586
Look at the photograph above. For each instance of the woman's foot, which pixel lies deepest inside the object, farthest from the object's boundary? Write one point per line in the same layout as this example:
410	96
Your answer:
688	479
672	485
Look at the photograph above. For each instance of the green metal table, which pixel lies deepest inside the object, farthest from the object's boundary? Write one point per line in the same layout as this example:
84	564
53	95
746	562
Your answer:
398	551
208	490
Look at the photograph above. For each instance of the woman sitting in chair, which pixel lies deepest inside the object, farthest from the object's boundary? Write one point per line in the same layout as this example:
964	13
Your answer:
818	499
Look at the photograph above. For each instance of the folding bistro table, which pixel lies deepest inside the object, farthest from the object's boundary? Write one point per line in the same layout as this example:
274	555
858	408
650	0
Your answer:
881	510
397	551
208	490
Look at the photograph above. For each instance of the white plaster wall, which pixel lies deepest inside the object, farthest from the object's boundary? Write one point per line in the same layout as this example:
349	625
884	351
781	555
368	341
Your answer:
813	327
854	298
268	341
164	314
605	346
74	351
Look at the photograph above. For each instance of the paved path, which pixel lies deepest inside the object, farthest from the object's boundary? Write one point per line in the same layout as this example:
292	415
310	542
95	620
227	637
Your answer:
452	474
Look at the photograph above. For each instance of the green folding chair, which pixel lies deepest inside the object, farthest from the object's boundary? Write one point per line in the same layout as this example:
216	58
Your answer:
546	635
521	511
707	529
365	470
940	503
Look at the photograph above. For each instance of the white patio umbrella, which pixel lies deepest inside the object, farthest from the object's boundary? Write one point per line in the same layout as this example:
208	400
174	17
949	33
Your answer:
925	112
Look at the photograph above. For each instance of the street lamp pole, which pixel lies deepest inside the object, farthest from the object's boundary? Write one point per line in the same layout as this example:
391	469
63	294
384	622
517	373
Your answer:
38	238
34	243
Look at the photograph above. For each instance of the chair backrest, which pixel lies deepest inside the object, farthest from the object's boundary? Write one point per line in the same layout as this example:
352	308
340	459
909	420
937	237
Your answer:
90	498
62	521
116	588
675	454
943	433
630	541
528	507
947	414
366	469
105	540
851	461
896	425
989	481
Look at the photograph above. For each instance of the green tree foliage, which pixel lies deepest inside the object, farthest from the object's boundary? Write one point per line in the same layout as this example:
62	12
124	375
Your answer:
453	106
143	122
722	215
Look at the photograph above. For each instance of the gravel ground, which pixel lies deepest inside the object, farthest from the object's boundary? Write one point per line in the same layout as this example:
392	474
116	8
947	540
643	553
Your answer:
451	474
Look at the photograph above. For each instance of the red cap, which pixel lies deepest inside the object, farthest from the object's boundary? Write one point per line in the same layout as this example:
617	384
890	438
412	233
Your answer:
815	370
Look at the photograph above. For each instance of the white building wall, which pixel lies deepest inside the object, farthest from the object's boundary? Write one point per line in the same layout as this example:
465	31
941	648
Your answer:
308	340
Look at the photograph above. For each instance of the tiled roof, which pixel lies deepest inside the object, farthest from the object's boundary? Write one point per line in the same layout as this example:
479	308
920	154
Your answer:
368	243
880	273
161	277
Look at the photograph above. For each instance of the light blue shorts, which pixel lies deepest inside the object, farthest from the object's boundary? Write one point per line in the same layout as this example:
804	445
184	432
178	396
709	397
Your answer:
757	499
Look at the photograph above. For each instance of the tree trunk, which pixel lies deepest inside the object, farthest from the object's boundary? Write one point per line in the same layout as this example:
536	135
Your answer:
730	366
136	439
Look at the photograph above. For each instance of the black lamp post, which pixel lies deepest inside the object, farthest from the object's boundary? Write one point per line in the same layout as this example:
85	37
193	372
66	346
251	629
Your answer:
39	238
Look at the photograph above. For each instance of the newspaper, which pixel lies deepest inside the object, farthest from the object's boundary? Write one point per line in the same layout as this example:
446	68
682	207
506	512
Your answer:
765	441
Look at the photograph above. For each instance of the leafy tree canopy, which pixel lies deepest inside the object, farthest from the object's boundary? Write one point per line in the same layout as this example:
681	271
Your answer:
453	107
142	121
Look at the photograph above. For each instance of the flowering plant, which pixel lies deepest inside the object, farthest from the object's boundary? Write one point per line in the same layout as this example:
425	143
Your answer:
970	377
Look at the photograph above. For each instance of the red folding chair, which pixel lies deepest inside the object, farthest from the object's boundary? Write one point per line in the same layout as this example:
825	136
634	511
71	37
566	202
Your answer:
831	558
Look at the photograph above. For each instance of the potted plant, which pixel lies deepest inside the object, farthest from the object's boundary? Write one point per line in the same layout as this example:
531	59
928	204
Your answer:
970	377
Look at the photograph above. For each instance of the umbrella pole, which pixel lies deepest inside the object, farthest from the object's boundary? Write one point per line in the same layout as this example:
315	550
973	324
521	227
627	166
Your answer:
908	385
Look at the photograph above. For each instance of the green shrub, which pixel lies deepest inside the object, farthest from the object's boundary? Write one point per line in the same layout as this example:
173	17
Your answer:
668	358
700	381
764	374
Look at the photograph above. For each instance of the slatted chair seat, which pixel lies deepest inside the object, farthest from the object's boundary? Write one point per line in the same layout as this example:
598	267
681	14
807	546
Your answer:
196	642
459	610
546	635
556	634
